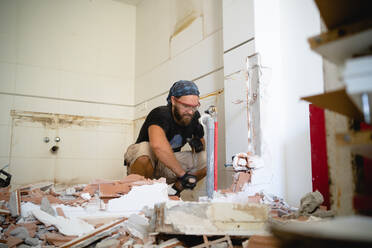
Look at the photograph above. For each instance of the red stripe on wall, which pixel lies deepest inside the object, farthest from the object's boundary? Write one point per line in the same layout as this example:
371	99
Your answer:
319	163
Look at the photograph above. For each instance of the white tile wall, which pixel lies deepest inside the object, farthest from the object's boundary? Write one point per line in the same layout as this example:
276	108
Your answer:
7	77
212	12
7	48
8	10
6	103
4	161
187	37
111	145
5	131
152	34
78	144
153	83
235	60
74	171
202	58
31	170
115	90
37	81
80	86
238	22
210	83
36	104
28	142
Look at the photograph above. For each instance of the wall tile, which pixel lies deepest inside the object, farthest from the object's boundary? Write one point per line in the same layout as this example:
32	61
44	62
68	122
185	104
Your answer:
27	170
6	103
7	48
119	112
7	77
187	38
155	82
236	59
116	90
4	161
79	86
212	11
111	168
5	132
111	145
8	15
116	58
36	104
73	171
238	23
28	142
78	144
37	81
152	35
210	83
38	50
208	55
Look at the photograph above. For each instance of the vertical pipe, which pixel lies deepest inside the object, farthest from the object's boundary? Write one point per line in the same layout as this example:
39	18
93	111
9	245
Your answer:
215	154
209	122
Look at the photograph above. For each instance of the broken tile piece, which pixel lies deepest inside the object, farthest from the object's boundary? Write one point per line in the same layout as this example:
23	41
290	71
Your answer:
46	207
65	226
57	239
15	203
60	212
32	241
20	232
137	225
13	241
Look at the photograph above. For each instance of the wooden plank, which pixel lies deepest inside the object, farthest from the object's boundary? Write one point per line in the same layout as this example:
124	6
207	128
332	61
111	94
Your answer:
337	101
339	12
344	42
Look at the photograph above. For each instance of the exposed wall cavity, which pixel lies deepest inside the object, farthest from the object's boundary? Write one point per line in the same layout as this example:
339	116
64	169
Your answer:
54	121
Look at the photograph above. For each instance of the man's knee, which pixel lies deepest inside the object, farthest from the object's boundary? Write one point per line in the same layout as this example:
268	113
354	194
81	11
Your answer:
143	160
142	166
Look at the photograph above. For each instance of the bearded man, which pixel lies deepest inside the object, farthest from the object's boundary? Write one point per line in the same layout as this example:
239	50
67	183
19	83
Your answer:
157	151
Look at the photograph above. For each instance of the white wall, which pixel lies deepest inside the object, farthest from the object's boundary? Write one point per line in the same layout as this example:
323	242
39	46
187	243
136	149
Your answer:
72	57
302	75
281	32
193	52
290	70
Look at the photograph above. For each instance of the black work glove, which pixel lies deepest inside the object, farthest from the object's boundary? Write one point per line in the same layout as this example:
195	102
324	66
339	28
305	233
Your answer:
188	181
196	144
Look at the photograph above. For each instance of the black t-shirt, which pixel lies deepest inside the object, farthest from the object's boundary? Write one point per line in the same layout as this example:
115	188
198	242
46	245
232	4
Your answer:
176	134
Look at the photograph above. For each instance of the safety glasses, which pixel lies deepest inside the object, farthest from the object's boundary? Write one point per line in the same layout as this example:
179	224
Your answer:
186	106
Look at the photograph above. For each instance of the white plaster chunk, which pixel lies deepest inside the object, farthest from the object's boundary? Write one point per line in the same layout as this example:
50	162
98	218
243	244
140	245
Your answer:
86	196
189	223
27	208
140	197
64	225
137	225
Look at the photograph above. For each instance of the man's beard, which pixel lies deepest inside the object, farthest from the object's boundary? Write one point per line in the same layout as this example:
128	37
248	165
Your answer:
181	118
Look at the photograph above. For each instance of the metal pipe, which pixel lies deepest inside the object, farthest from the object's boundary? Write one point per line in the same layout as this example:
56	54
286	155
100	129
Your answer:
208	121
215	153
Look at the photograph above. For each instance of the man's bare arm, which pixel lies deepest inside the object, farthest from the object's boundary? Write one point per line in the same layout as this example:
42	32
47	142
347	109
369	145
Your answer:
163	151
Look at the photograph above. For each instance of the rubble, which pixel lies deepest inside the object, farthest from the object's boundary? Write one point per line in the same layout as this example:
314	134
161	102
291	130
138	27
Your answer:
108	213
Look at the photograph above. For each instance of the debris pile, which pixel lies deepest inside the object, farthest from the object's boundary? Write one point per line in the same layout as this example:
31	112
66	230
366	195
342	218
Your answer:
101	214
